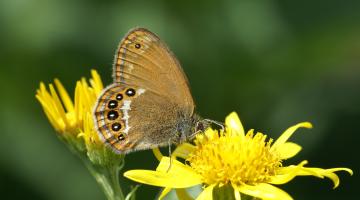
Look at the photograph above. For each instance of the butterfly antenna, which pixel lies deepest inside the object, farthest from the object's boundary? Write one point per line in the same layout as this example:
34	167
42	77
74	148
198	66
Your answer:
216	123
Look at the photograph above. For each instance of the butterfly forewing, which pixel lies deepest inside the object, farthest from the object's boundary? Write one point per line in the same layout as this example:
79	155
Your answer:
143	59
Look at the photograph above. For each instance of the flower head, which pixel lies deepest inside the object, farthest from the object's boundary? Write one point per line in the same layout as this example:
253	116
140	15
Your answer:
66	116
72	119
250	163
74	124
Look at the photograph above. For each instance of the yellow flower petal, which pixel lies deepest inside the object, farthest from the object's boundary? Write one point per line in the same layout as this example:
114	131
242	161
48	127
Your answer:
157	153
164	192
288	150
96	82
183	195
237	194
286	174
57	105
288	133
78	106
177	176
264	191
50	113
233	122
321	173
341	169
183	150
64	96
161	179
207	193
176	168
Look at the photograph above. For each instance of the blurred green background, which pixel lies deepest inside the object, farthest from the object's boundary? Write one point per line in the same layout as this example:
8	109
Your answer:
274	62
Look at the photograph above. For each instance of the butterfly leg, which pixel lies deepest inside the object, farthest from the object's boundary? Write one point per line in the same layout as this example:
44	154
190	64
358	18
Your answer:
192	136
169	142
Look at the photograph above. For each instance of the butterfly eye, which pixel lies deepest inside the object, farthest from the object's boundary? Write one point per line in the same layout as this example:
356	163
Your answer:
200	127
116	126
121	137
112	115
137	45
112	104
130	92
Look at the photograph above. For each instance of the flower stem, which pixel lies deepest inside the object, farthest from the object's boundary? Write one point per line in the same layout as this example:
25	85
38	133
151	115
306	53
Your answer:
108	179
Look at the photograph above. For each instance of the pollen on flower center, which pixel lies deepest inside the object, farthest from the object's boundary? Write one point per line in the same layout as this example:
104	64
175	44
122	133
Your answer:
228	158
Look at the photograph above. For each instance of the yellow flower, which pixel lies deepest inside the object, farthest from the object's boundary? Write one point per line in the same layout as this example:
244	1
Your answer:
71	119
249	163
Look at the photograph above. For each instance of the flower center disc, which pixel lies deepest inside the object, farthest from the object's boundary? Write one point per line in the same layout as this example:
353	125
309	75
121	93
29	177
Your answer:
233	159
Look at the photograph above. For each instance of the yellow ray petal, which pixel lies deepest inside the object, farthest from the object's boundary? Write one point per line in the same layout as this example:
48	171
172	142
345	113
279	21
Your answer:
162	179
288	133
78	106
264	191
341	169
288	150
57	124
164	192
237	194
183	195
96	82
177	176
64	96
233	122
321	173
157	153
206	194
286	174
183	150
176	167
58	106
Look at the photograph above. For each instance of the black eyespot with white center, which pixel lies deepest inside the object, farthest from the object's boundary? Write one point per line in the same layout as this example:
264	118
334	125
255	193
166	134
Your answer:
116	126
121	137
119	97
112	104
112	115
137	45
130	92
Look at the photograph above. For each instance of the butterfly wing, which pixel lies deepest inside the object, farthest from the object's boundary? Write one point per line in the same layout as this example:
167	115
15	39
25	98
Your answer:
148	99
143	59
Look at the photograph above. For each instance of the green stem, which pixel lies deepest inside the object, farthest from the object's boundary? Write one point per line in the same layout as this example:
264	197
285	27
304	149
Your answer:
108	179
103	164
227	192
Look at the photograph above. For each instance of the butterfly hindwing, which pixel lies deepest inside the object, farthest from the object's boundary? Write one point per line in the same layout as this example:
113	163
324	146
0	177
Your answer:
130	118
111	114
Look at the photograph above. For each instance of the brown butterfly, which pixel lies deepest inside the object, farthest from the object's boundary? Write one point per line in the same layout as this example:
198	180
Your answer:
149	104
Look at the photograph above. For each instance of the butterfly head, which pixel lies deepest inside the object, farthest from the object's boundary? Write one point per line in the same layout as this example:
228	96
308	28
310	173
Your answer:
188	128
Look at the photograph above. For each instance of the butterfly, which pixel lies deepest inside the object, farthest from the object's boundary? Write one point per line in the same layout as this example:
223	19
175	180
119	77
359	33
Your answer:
149	103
